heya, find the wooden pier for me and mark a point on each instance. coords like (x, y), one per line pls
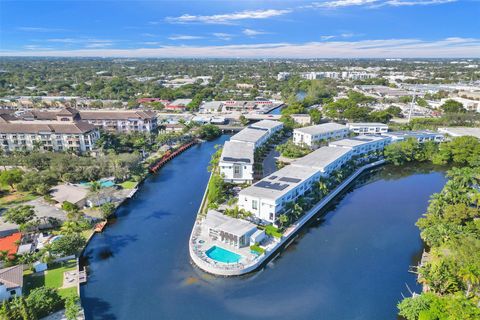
(169, 155)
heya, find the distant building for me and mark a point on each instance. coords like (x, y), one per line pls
(301, 119)
(461, 131)
(236, 162)
(74, 194)
(48, 136)
(281, 76)
(244, 86)
(150, 100)
(211, 107)
(109, 120)
(313, 135)
(11, 282)
(368, 127)
(420, 135)
(258, 133)
(178, 105)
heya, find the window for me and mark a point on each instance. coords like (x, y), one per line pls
(271, 216)
(254, 204)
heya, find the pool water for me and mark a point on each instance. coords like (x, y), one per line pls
(103, 183)
(222, 255)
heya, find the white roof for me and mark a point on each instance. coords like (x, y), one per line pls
(235, 151)
(68, 192)
(356, 141)
(266, 124)
(249, 135)
(212, 104)
(461, 131)
(321, 158)
(180, 102)
(279, 183)
(367, 124)
(407, 134)
(219, 221)
(321, 128)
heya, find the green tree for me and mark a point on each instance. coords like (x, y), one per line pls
(44, 301)
(452, 106)
(69, 244)
(72, 309)
(107, 209)
(11, 177)
(20, 215)
(315, 116)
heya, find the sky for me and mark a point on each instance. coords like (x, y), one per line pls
(241, 29)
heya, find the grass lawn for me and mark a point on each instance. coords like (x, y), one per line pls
(128, 184)
(52, 278)
(8, 197)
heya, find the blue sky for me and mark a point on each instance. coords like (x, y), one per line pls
(323, 28)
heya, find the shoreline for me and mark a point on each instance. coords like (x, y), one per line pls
(285, 240)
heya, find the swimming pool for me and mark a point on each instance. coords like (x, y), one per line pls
(103, 183)
(222, 255)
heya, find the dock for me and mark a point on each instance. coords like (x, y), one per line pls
(169, 156)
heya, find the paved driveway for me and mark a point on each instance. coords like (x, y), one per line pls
(42, 208)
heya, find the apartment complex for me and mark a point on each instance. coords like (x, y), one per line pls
(77, 136)
(267, 198)
(368, 127)
(420, 135)
(111, 120)
(237, 158)
(313, 135)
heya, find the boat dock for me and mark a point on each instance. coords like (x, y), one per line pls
(169, 156)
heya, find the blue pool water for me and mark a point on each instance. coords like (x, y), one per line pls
(103, 183)
(222, 255)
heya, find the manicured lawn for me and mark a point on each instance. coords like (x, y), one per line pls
(8, 197)
(53, 278)
(128, 184)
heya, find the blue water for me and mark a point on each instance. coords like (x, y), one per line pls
(222, 255)
(350, 263)
(103, 183)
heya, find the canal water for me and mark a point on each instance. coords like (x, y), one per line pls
(351, 263)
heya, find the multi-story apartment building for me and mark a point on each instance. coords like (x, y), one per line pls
(236, 162)
(313, 135)
(420, 135)
(362, 144)
(368, 127)
(48, 135)
(267, 198)
(111, 120)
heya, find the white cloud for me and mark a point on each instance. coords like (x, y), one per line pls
(253, 33)
(148, 35)
(151, 43)
(223, 36)
(184, 37)
(342, 3)
(228, 17)
(374, 3)
(399, 48)
(326, 37)
(39, 29)
(398, 3)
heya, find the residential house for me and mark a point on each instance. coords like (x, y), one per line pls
(11, 282)
(236, 162)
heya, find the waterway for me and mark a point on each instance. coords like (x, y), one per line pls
(351, 263)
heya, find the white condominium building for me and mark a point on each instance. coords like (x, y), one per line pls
(312, 135)
(266, 198)
(362, 144)
(48, 135)
(421, 135)
(368, 127)
(258, 133)
(236, 162)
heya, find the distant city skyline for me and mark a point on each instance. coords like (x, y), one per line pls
(243, 29)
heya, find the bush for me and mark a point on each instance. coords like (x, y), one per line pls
(43, 301)
(257, 248)
(273, 231)
(291, 150)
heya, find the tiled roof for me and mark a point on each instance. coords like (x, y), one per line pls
(12, 277)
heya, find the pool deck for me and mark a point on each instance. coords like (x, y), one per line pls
(251, 262)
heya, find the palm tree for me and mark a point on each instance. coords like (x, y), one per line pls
(322, 187)
(95, 186)
(283, 219)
